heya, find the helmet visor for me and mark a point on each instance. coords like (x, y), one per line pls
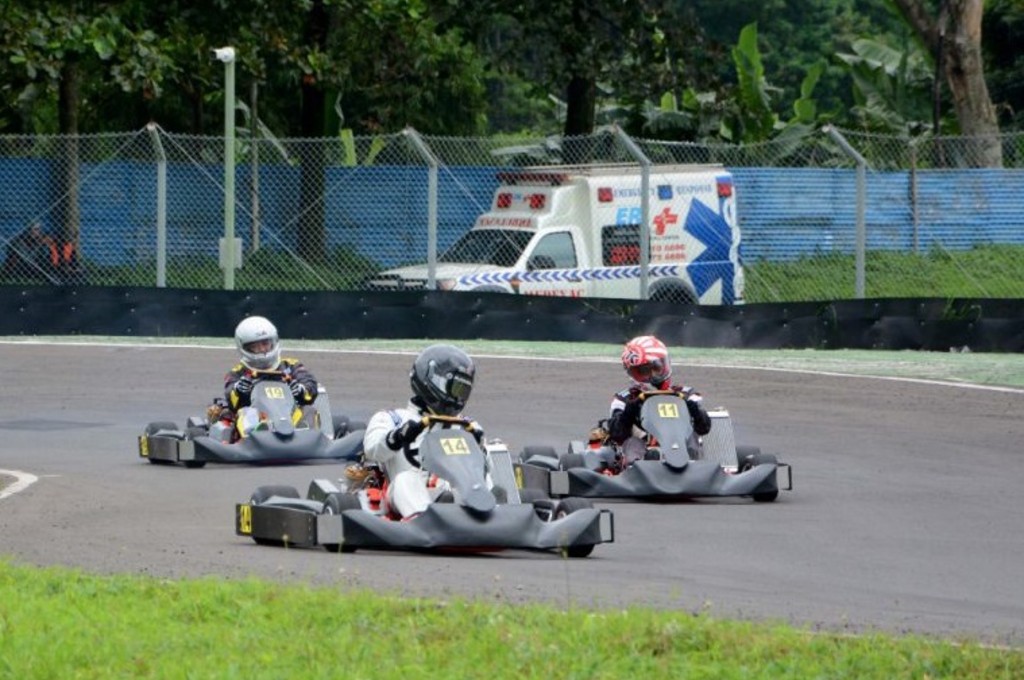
(260, 346)
(653, 370)
(459, 387)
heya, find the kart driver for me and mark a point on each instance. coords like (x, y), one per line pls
(441, 379)
(260, 350)
(645, 359)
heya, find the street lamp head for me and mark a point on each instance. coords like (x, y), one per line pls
(225, 54)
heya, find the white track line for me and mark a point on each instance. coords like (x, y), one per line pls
(23, 481)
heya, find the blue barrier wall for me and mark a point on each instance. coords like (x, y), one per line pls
(381, 211)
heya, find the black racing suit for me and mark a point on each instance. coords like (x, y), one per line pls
(625, 411)
(293, 370)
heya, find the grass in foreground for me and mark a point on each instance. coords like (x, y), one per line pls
(60, 623)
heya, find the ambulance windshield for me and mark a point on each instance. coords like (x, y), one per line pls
(501, 247)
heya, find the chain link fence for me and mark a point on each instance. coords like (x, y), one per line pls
(830, 216)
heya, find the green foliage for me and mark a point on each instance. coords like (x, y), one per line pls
(891, 87)
(469, 68)
(756, 120)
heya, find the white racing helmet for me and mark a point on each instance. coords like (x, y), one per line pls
(251, 337)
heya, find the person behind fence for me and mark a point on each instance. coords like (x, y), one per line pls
(36, 255)
(29, 254)
(646, 362)
(441, 379)
(260, 350)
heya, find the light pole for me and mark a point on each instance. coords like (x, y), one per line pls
(230, 252)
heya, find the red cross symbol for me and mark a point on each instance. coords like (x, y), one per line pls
(663, 219)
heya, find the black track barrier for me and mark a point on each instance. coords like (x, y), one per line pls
(977, 325)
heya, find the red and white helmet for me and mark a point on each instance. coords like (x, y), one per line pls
(645, 359)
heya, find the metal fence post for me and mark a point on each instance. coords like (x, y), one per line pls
(861, 233)
(425, 153)
(645, 205)
(161, 206)
(227, 55)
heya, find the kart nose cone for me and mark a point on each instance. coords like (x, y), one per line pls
(480, 500)
(284, 427)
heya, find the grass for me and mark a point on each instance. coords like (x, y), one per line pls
(61, 623)
(981, 272)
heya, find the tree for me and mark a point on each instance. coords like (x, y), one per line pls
(1003, 28)
(58, 44)
(952, 33)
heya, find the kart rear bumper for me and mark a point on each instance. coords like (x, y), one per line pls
(442, 526)
(654, 479)
(259, 447)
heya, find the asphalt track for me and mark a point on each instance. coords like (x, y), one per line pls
(906, 514)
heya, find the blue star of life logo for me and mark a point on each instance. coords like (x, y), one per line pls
(711, 229)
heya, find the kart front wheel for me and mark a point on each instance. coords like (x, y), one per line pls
(566, 507)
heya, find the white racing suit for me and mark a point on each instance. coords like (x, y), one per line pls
(410, 489)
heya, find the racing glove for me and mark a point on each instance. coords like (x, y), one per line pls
(477, 432)
(404, 435)
(243, 386)
(701, 419)
(298, 391)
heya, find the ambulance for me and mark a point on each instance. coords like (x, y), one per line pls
(574, 231)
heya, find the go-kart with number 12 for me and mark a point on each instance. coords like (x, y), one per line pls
(283, 432)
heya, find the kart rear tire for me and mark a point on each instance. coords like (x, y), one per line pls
(192, 433)
(537, 450)
(755, 459)
(155, 426)
(566, 507)
(543, 505)
(751, 456)
(568, 461)
(531, 495)
(341, 426)
(335, 504)
(261, 494)
(743, 451)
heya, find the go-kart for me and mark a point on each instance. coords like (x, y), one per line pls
(285, 432)
(676, 464)
(474, 517)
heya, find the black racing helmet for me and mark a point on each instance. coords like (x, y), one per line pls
(442, 376)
